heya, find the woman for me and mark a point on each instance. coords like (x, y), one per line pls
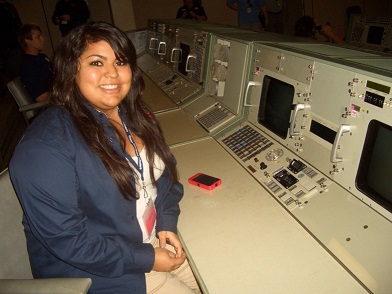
(94, 175)
(191, 9)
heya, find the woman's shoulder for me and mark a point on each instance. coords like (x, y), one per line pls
(53, 125)
(53, 115)
(51, 135)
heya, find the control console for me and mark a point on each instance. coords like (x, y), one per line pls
(285, 176)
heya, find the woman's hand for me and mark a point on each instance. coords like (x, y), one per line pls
(173, 239)
(165, 260)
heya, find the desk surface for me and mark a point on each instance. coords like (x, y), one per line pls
(178, 127)
(240, 240)
(155, 98)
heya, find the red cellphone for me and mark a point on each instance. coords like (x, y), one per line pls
(204, 181)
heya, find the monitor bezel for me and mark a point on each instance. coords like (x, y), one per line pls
(363, 168)
(262, 105)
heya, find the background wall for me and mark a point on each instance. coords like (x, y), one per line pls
(133, 14)
(323, 11)
(40, 12)
(123, 14)
(216, 10)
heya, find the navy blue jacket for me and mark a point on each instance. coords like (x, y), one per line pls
(77, 223)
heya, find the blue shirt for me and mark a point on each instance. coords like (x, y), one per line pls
(77, 223)
(244, 17)
(36, 74)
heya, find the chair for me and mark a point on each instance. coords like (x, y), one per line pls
(27, 106)
(15, 272)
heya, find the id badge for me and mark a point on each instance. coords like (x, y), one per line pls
(248, 10)
(149, 217)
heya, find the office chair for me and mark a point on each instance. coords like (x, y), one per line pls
(15, 272)
(27, 106)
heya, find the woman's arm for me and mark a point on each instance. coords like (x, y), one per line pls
(168, 210)
(167, 203)
(46, 182)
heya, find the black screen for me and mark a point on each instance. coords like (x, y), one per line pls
(322, 131)
(375, 35)
(184, 55)
(276, 103)
(374, 174)
(206, 179)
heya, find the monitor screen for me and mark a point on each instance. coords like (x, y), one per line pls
(276, 103)
(375, 35)
(375, 168)
(183, 57)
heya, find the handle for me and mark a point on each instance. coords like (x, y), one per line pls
(160, 51)
(297, 108)
(33, 106)
(250, 84)
(172, 55)
(151, 43)
(187, 62)
(343, 129)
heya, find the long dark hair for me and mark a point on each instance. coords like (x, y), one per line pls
(141, 122)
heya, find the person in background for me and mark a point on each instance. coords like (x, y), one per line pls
(306, 27)
(249, 13)
(275, 10)
(191, 9)
(69, 14)
(96, 180)
(36, 68)
(10, 52)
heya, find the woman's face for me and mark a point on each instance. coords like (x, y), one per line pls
(103, 80)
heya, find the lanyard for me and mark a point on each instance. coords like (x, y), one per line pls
(139, 165)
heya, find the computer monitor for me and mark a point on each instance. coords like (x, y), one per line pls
(275, 106)
(374, 171)
(370, 32)
(375, 35)
(185, 49)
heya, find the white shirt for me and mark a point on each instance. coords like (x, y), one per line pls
(141, 203)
